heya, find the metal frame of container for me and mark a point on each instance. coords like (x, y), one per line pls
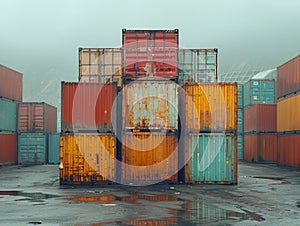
(8, 115)
(8, 148)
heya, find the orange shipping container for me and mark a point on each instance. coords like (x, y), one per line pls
(260, 147)
(87, 158)
(288, 114)
(288, 150)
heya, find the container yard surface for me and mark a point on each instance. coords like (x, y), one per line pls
(265, 195)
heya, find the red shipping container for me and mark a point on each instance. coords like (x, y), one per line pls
(288, 77)
(260, 118)
(37, 117)
(87, 107)
(288, 150)
(10, 84)
(8, 148)
(260, 147)
(150, 53)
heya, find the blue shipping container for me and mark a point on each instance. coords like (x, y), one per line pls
(8, 115)
(53, 148)
(240, 145)
(240, 120)
(240, 98)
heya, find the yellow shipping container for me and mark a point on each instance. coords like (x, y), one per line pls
(209, 106)
(87, 158)
(288, 114)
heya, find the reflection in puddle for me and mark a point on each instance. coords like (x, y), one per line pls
(31, 197)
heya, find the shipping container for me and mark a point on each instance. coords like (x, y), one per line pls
(37, 118)
(148, 53)
(8, 115)
(87, 158)
(149, 158)
(259, 91)
(212, 159)
(53, 148)
(209, 106)
(10, 84)
(32, 148)
(87, 107)
(288, 113)
(260, 147)
(103, 65)
(240, 120)
(151, 104)
(288, 77)
(260, 118)
(8, 148)
(240, 145)
(240, 98)
(197, 65)
(288, 150)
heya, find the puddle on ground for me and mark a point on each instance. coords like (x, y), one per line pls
(26, 196)
(298, 204)
(283, 180)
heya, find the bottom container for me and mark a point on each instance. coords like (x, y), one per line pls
(240, 145)
(53, 148)
(288, 150)
(87, 158)
(212, 159)
(8, 148)
(260, 147)
(32, 148)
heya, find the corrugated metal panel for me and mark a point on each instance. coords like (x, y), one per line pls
(53, 148)
(10, 84)
(87, 158)
(8, 148)
(240, 120)
(288, 150)
(150, 53)
(32, 148)
(240, 145)
(212, 159)
(149, 157)
(102, 65)
(151, 104)
(240, 98)
(37, 117)
(8, 115)
(259, 91)
(288, 77)
(209, 106)
(197, 65)
(288, 114)
(260, 147)
(87, 107)
(260, 118)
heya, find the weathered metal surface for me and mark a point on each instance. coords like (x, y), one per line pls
(8, 115)
(53, 148)
(8, 148)
(288, 150)
(240, 145)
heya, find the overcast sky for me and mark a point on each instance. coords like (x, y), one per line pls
(40, 38)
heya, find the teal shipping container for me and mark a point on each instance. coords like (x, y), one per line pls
(240, 98)
(53, 148)
(240, 145)
(32, 148)
(8, 115)
(212, 159)
(259, 91)
(240, 120)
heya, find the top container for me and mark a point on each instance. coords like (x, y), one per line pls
(149, 53)
(102, 65)
(259, 91)
(197, 65)
(288, 77)
(240, 98)
(10, 84)
(37, 118)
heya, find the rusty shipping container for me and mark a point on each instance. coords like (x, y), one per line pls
(10, 84)
(260, 147)
(87, 107)
(197, 65)
(149, 158)
(103, 65)
(288, 150)
(37, 117)
(209, 107)
(87, 158)
(151, 104)
(288, 77)
(8, 148)
(150, 53)
(260, 118)
(288, 113)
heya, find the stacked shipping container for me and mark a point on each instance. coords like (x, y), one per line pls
(240, 121)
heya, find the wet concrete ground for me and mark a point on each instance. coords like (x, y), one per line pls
(265, 195)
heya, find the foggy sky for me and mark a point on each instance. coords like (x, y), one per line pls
(40, 38)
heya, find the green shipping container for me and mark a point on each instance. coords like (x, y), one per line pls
(240, 96)
(32, 148)
(212, 159)
(240, 120)
(8, 115)
(259, 91)
(53, 148)
(240, 145)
